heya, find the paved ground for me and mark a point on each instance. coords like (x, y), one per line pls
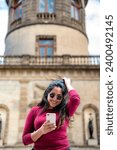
(84, 148)
(28, 148)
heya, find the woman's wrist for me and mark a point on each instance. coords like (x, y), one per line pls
(68, 83)
(41, 130)
(37, 134)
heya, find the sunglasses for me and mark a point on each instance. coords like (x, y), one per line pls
(58, 97)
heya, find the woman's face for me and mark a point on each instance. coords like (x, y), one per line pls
(54, 97)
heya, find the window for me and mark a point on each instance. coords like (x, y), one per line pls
(75, 9)
(16, 7)
(16, 2)
(46, 6)
(18, 12)
(46, 47)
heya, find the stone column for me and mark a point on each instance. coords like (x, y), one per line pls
(22, 107)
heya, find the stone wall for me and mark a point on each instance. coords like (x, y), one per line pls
(68, 41)
(21, 88)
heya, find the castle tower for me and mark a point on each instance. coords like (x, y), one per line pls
(46, 27)
(54, 28)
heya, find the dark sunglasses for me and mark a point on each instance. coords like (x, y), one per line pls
(58, 97)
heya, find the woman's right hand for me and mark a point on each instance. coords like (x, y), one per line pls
(47, 127)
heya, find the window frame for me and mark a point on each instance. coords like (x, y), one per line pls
(38, 46)
(46, 47)
(16, 10)
(16, 3)
(76, 7)
(46, 8)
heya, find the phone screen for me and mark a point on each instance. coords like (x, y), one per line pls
(51, 117)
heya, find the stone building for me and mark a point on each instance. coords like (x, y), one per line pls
(46, 40)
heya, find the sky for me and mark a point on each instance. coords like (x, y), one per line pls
(92, 26)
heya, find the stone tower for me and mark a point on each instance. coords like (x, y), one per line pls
(56, 24)
(47, 39)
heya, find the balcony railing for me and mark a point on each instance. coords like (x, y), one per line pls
(53, 60)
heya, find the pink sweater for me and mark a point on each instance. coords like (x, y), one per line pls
(54, 140)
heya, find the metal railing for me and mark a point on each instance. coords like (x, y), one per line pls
(53, 60)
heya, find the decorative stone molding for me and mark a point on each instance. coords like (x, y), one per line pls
(22, 105)
(5, 110)
(96, 111)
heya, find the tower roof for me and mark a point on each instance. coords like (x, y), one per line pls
(86, 1)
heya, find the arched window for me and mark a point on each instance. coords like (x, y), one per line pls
(16, 7)
(46, 6)
(75, 9)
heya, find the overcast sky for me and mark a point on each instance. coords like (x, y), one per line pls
(92, 25)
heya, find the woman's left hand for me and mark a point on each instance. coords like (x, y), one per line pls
(68, 83)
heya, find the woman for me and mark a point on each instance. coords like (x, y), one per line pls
(44, 134)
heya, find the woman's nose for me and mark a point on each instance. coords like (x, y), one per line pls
(55, 98)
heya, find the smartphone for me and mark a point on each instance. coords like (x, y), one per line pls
(51, 117)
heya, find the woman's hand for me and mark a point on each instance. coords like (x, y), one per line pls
(68, 83)
(47, 127)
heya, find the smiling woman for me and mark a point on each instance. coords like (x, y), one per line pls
(44, 134)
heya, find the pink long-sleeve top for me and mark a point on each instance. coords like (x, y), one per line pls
(56, 139)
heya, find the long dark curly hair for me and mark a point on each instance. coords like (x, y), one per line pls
(61, 108)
